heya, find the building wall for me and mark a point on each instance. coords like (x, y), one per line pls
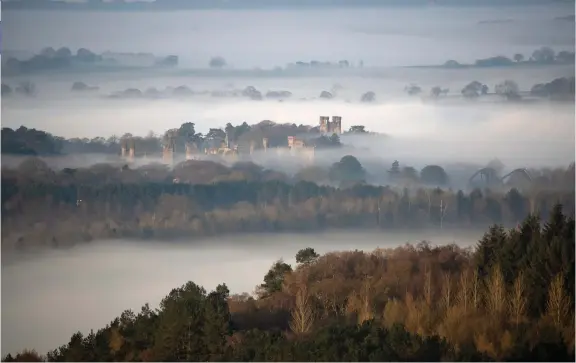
(336, 125)
(324, 124)
(330, 127)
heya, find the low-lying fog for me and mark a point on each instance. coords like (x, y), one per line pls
(383, 36)
(48, 297)
(521, 135)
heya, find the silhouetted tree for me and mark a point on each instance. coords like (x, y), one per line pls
(306, 255)
(434, 175)
(217, 62)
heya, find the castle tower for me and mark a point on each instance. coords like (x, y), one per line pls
(324, 124)
(123, 150)
(168, 155)
(168, 151)
(265, 143)
(251, 147)
(336, 125)
(291, 141)
(132, 151)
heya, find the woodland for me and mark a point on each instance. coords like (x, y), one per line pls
(511, 298)
(46, 208)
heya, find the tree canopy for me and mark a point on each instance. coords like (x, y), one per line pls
(508, 299)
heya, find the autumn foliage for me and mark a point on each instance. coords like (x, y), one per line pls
(509, 299)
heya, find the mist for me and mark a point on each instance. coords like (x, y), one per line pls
(61, 291)
(521, 135)
(527, 135)
(47, 296)
(268, 38)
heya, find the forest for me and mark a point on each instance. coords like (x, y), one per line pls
(50, 206)
(46, 208)
(511, 298)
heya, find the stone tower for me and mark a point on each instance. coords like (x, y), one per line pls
(324, 124)
(336, 125)
(168, 151)
(123, 150)
(131, 150)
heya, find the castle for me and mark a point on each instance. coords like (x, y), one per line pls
(334, 127)
(296, 147)
(128, 149)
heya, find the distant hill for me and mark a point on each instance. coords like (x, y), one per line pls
(166, 5)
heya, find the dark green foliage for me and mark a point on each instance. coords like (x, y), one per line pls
(26, 141)
(433, 175)
(347, 170)
(306, 255)
(541, 251)
(275, 276)
(343, 343)
(190, 325)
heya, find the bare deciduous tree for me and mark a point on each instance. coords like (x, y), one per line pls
(465, 290)
(476, 296)
(558, 304)
(361, 302)
(303, 313)
(446, 290)
(518, 300)
(496, 293)
(428, 285)
(443, 209)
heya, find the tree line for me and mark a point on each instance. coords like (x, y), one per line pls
(540, 56)
(559, 89)
(50, 59)
(25, 141)
(509, 299)
(43, 208)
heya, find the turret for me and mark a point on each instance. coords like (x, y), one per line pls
(336, 125)
(132, 151)
(324, 124)
(168, 152)
(123, 148)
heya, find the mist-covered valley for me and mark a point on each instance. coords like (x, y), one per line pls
(521, 135)
(64, 285)
(376, 45)
(190, 146)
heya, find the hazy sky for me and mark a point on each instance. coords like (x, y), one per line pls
(384, 36)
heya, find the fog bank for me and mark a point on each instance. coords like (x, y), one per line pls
(426, 35)
(526, 135)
